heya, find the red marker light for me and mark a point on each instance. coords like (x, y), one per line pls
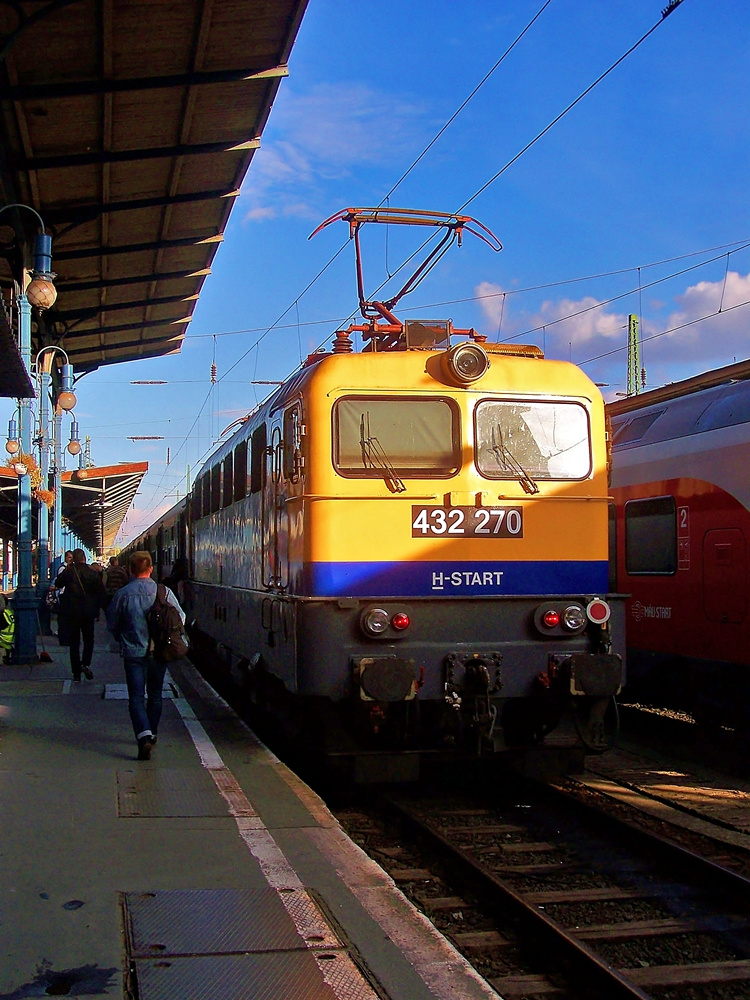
(598, 611)
(400, 621)
(551, 619)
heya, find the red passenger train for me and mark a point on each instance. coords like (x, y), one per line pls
(679, 536)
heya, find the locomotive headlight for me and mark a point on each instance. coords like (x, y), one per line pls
(465, 363)
(375, 621)
(574, 618)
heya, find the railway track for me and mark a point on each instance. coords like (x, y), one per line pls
(550, 897)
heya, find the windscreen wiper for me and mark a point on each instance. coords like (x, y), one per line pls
(375, 457)
(506, 459)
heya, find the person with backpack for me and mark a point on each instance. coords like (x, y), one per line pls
(142, 615)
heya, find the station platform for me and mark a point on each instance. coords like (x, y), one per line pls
(210, 872)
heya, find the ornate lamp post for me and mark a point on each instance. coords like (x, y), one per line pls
(65, 401)
(40, 291)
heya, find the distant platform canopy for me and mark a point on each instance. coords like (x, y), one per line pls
(129, 125)
(94, 501)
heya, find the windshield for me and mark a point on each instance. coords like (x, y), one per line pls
(530, 440)
(383, 437)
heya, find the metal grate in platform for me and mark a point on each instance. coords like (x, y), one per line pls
(291, 976)
(210, 921)
(151, 793)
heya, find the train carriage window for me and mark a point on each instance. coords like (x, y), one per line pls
(633, 430)
(258, 444)
(240, 471)
(413, 438)
(215, 488)
(228, 485)
(651, 537)
(539, 439)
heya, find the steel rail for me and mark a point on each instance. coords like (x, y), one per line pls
(593, 971)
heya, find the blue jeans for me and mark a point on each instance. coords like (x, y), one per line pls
(145, 679)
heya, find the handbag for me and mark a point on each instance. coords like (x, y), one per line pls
(52, 600)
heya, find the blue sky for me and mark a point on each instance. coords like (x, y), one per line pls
(635, 202)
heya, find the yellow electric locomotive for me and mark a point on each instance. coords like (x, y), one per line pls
(405, 547)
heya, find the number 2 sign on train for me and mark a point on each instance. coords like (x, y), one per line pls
(403, 551)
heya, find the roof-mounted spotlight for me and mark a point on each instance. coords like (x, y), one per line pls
(465, 363)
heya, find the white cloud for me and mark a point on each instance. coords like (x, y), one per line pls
(581, 322)
(565, 321)
(693, 338)
(259, 214)
(327, 134)
(700, 335)
(492, 300)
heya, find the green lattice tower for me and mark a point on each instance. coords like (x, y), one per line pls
(634, 356)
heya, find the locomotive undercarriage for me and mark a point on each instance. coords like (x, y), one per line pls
(418, 691)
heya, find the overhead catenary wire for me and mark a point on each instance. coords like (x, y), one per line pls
(602, 76)
(737, 246)
(666, 11)
(672, 329)
(461, 107)
(398, 182)
(614, 298)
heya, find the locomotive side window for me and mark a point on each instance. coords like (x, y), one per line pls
(532, 439)
(196, 500)
(651, 537)
(258, 459)
(240, 471)
(215, 488)
(206, 504)
(228, 487)
(413, 438)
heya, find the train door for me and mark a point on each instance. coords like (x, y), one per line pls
(724, 575)
(294, 476)
(275, 519)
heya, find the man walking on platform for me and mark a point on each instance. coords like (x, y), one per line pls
(128, 622)
(83, 595)
(115, 577)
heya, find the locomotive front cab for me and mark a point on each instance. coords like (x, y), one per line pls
(440, 519)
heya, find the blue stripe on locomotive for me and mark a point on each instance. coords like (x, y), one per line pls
(470, 579)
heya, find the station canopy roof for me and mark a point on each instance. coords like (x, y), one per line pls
(96, 505)
(94, 502)
(129, 125)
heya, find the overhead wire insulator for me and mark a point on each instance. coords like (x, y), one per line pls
(213, 373)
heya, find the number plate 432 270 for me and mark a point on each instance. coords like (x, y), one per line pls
(467, 522)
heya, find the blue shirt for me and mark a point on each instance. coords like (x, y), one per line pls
(126, 615)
